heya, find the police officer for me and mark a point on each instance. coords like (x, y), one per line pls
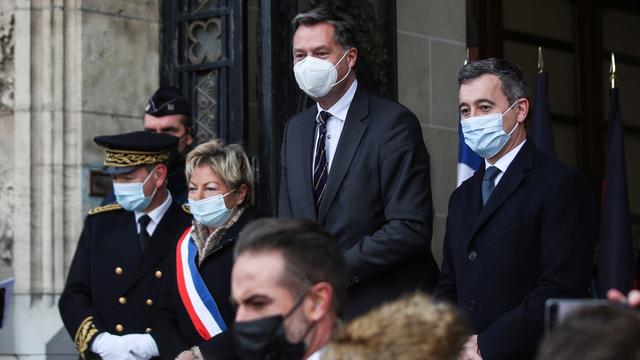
(120, 262)
(168, 112)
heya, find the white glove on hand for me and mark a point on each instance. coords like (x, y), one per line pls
(143, 346)
(112, 347)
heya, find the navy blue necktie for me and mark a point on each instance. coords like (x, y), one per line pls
(320, 162)
(143, 235)
(488, 182)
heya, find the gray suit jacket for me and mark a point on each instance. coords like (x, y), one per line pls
(377, 201)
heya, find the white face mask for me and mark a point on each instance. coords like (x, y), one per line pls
(131, 195)
(484, 134)
(316, 77)
(210, 211)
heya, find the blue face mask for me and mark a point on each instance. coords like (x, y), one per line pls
(131, 195)
(211, 211)
(484, 134)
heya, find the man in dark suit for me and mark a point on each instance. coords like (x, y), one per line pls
(117, 271)
(520, 230)
(357, 164)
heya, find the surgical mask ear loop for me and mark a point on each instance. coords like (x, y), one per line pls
(336, 64)
(516, 126)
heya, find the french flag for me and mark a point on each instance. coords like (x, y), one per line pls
(468, 161)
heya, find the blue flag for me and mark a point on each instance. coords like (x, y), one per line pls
(468, 161)
(615, 256)
(540, 129)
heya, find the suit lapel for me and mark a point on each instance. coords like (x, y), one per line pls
(305, 152)
(163, 239)
(352, 132)
(473, 197)
(507, 186)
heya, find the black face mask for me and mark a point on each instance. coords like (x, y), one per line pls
(265, 339)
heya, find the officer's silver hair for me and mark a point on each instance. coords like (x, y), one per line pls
(230, 162)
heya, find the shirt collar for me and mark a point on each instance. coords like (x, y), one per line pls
(339, 109)
(504, 162)
(157, 213)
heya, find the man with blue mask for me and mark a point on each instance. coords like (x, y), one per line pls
(521, 230)
(118, 268)
(356, 164)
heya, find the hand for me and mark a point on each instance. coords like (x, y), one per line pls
(633, 298)
(471, 351)
(142, 346)
(186, 355)
(112, 347)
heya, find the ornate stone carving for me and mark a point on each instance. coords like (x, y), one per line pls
(6, 62)
(6, 223)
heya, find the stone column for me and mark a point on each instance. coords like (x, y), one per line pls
(70, 70)
(431, 50)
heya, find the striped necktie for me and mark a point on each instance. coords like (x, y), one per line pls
(320, 162)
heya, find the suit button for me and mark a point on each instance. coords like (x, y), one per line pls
(149, 302)
(147, 330)
(472, 306)
(472, 256)
(158, 274)
(119, 328)
(122, 300)
(119, 270)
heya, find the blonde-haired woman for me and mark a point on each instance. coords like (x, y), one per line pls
(195, 304)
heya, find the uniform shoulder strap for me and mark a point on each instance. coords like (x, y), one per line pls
(105, 208)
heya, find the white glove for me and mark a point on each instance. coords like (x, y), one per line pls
(112, 347)
(143, 346)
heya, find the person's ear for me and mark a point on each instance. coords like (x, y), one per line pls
(160, 174)
(522, 108)
(241, 194)
(352, 57)
(319, 301)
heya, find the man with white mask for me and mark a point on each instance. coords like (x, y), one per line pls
(121, 260)
(521, 230)
(356, 164)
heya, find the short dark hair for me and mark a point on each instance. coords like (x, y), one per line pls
(599, 333)
(342, 24)
(514, 83)
(310, 254)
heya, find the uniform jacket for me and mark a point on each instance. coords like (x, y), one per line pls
(174, 331)
(111, 287)
(377, 201)
(533, 240)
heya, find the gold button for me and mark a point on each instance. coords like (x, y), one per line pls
(119, 328)
(149, 302)
(158, 274)
(122, 300)
(119, 270)
(147, 330)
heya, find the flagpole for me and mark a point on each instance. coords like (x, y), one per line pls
(612, 71)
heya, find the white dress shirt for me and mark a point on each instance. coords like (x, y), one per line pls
(155, 215)
(504, 162)
(335, 124)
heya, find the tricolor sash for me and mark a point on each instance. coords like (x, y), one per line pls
(197, 299)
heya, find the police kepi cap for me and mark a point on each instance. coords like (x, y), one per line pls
(125, 153)
(167, 100)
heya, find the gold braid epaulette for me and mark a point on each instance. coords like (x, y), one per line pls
(86, 331)
(101, 209)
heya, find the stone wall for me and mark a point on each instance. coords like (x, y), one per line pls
(431, 49)
(69, 70)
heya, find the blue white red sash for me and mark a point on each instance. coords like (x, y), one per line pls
(197, 299)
